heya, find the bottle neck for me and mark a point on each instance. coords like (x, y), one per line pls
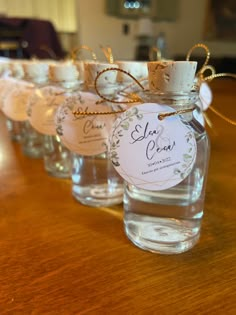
(174, 100)
(104, 90)
(69, 86)
(38, 81)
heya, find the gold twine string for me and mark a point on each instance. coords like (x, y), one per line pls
(220, 75)
(203, 70)
(228, 120)
(134, 99)
(215, 111)
(50, 52)
(108, 54)
(207, 54)
(177, 112)
(76, 50)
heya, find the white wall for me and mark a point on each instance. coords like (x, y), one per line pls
(95, 28)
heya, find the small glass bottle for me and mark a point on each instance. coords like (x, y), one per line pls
(41, 111)
(168, 221)
(12, 72)
(94, 179)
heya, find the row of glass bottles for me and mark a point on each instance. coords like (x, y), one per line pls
(16, 92)
(28, 88)
(166, 221)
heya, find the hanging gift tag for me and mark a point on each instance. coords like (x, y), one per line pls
(150, 153)
(42, 108)
(205, 100)
(6, 85)
(205, 95)
(84, 134)
(17, 100)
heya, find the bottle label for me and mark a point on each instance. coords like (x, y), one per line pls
(16, 101)
(42, 108)
(150, 153)
(84, 134)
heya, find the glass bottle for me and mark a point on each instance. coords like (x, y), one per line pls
(94, 179)
(11, 74)
(168, 221)
(32, 141)
(41, 111)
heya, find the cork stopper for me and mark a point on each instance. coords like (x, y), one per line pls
(106, 82)
(65, 71)
(4, 66)
(138, 69)
(171, 76)
(17, 69)
(36, 71)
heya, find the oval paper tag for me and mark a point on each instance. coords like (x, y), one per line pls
(86, 135)
(149, 153)
(42, 108)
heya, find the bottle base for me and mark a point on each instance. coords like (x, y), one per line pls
(14, 128)
(59, 169)
(98, 195)
(58, 174)
(163, 236)
(35, 154)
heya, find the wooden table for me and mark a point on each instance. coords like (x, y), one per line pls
(59, 257)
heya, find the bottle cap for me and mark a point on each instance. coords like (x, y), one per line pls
(36, 71)
(138, 69)
(17, 69)
(106, 82)
(65, 71)
(171, 76)
(4, 66)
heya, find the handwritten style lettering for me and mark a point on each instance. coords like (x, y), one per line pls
(92, 124)
(138, 134)
(153, 148)
(156, 145)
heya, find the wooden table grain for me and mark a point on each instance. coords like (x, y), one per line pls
(60, 257)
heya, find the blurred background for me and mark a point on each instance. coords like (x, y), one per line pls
(41, 28)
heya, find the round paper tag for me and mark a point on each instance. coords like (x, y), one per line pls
(16, 101)
(149, 153)
(205, 95)
(42, 108)
(84, 134)
(6, 85)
